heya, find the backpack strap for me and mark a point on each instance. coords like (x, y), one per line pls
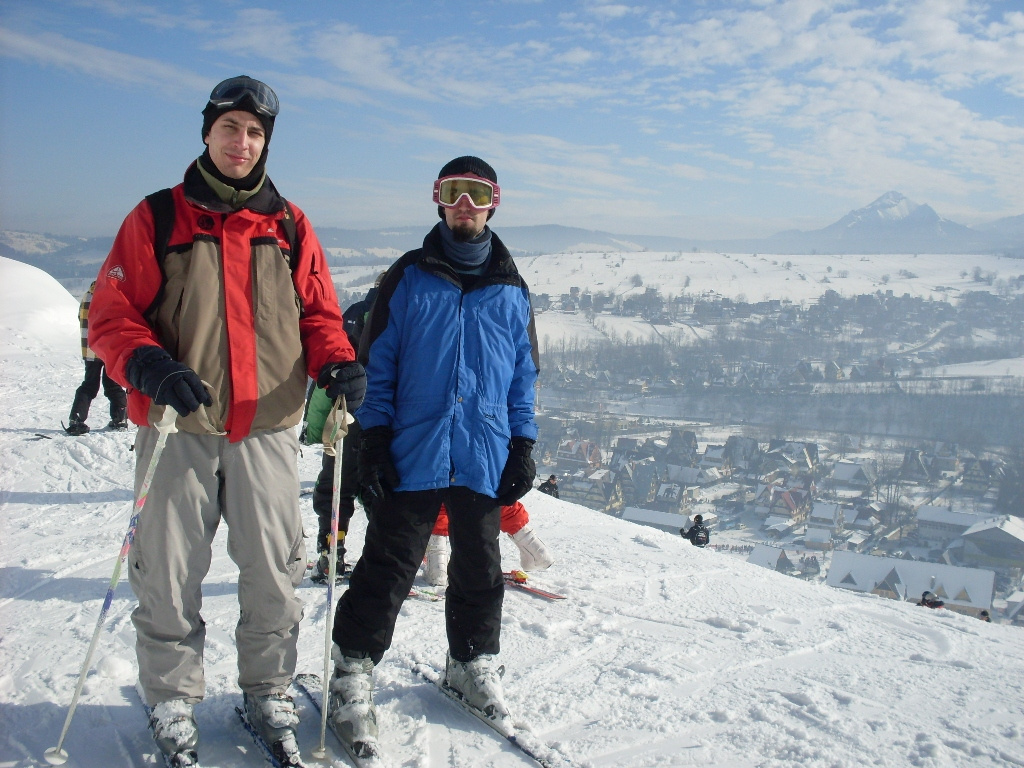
(162, 205)
(288, 222)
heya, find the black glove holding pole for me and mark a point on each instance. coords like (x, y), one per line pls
(153, 372)
(348, 379)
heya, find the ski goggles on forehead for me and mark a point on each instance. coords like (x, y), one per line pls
(482, 193)
(234, 90)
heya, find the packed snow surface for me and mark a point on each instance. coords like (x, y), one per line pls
(662, 655)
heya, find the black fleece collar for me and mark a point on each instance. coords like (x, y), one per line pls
(266, 200)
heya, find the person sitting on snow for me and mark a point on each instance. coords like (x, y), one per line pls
(929, 600)
(698, 535)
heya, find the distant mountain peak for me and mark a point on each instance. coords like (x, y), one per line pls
(890, 207)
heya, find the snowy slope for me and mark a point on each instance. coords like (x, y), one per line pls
(662, 655)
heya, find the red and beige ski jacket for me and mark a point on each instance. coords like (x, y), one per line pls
(226, 301)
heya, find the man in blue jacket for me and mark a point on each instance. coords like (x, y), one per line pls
(451, 355)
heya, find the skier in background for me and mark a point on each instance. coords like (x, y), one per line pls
(90, 386)
(323, 491)
(698, 535)
(549, 486)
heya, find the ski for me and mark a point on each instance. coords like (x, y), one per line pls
(525, 742)
(419, 593)
(278, 761)
(518, 580)
(362, 754)
(186, 759)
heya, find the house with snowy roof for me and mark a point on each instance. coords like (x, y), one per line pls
(965, 590)
(996, 542)
(941, 526)
(854, 474)
(577, 454)
(693, 476)
(865, 517)
(671, 497)
(794, 456)
(772, 558)
(715, 458)
(980, 475)
(655, 518)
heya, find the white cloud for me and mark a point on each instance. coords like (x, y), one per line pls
(49, 49)
(367, 61)
(258, 33)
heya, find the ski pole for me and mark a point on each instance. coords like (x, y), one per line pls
(338, 431)
(57, 755)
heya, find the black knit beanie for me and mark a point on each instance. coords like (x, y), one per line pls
(468, 164)
(212, 112)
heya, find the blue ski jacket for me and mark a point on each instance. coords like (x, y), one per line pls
(451, 364)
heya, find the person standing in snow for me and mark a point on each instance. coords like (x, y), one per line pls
(515, 521)
(90, 386)
(323, 491)
(224, 328)
(549, 486)
(698, 534)
(451, 356)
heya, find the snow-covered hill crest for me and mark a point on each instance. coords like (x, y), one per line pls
(663, 654)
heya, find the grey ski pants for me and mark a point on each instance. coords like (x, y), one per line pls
(253, 485)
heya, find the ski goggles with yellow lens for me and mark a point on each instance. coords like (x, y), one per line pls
(482, 194)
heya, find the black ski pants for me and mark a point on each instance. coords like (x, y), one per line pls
(396, 539)
(323, 491)
(90, 387)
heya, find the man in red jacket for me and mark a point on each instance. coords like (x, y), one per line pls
(223, 323)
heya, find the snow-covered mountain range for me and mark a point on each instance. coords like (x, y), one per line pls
(662, 655)
(890, 224)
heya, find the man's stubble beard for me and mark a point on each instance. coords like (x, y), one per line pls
(463, 233)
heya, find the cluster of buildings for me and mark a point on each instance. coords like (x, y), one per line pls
(895, 532)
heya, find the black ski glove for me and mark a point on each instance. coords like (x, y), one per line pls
(519, 473)
(377, 473)
(348, 379)
(155, 373)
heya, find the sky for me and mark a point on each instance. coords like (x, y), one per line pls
(661, 654)
(694, 119)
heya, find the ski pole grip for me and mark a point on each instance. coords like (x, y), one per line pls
(166, 425)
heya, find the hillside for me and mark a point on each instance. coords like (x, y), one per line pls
(661, 655)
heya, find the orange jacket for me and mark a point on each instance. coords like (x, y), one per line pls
(513, 518)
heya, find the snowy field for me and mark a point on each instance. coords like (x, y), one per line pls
(801, 279)
(752, 277)
(662, 655)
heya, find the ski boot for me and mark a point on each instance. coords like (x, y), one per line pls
(274, 718)
(174, 729)
(478, 684)
(76, 428)
(322, 566)
(533, 554)
(436, 572)
(350, 709)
